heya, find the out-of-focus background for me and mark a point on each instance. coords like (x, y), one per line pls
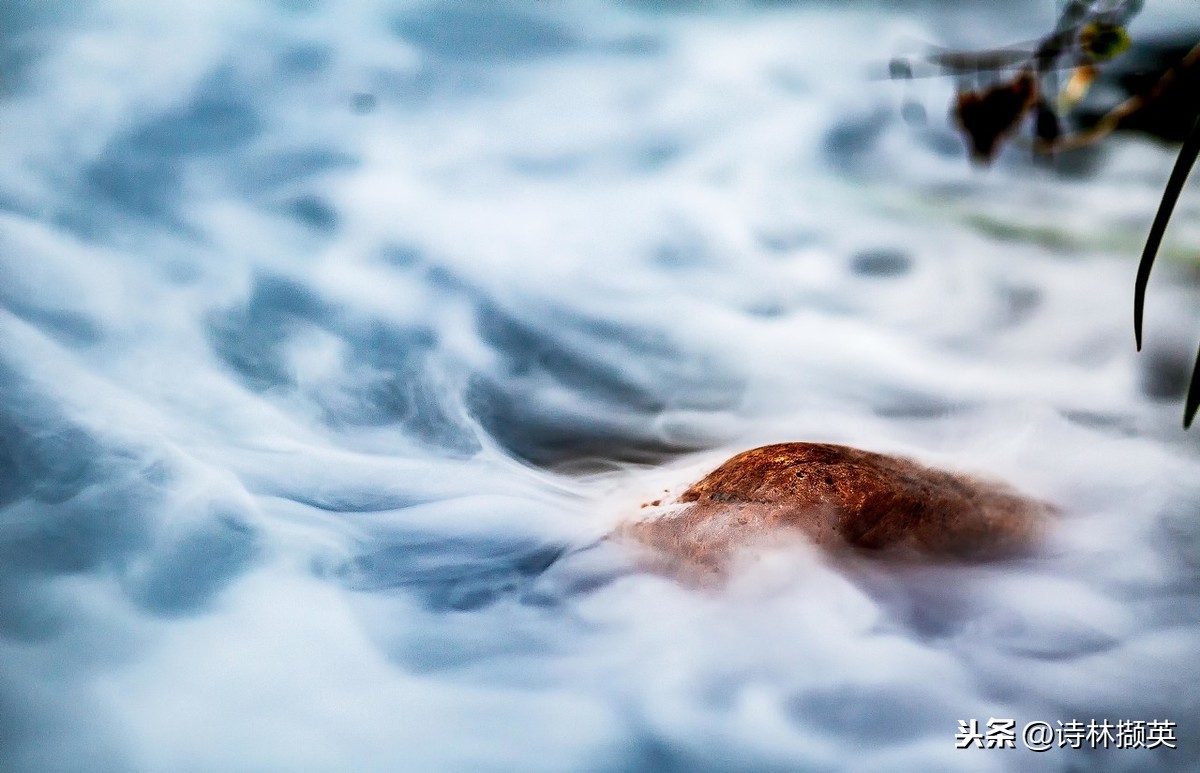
(333, 336)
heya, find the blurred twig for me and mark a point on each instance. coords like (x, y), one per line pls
(1179, 174)
(1112, 119)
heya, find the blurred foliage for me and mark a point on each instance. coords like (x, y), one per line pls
(1001, 89)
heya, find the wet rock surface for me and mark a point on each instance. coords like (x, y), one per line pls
(839, 498)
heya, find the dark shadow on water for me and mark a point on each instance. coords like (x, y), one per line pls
(881, 263)
(388, 372)
(662, 752)
(482, 33)
(563, 385)
(65, 326)
(48, 723)
(1164, 372)
(850, 143)
(869, 715)
(265, 172)
(49, 464)
(451, 572)
(75, 504)
(29, 30)
(314, 212)
(917, 406)
(182, 577)
(305, 59)
(603, 407)
(141, 172)
(250, 338)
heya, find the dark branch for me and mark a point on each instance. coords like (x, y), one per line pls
(1179, 175)
(1193, 396)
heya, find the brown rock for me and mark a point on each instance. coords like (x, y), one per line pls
(839, 497)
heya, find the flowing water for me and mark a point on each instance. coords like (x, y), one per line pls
(335, 336)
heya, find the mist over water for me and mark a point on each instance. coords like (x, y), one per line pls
(335, 336)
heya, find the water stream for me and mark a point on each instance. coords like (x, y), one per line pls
(335, 336)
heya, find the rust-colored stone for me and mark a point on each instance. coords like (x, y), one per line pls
(839, 497)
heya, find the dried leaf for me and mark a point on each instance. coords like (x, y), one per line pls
(988, 117)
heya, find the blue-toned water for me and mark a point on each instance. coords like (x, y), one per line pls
(335, 336)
